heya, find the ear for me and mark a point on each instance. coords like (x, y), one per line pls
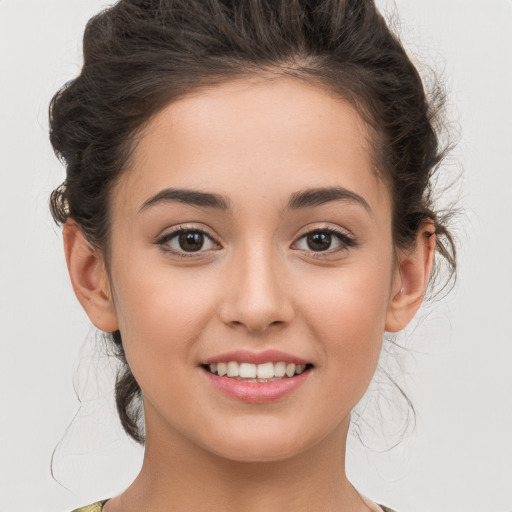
(89, 278)
(411, 279)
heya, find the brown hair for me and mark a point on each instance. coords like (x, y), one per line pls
(140, 55)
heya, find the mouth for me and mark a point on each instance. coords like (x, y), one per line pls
(263, 372)
(257, 377)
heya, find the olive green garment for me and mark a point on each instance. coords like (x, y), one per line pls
(95, 507)
(98, 506)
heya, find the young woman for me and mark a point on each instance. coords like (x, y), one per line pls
(247, 210)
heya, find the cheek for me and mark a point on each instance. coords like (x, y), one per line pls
(347, 312)
(161, 314)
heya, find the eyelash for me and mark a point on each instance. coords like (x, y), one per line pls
(344, 239)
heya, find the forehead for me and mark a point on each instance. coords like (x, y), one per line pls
(253, 137)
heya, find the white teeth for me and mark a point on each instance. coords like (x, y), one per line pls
(232, 369)
(246, 370)
(290, 369)
(280, 369)
(222, 369)
(264, 371)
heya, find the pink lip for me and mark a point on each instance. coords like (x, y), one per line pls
(256, 392)
(246, 356)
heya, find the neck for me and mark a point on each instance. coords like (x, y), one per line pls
(192, 479)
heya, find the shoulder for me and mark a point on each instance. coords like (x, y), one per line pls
(95, 507)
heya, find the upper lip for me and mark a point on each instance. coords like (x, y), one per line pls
(247, 356)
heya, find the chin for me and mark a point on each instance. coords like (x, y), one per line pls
(258, 454)
(260, 447)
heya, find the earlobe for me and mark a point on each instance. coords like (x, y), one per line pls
(411, 279)
(89, 279)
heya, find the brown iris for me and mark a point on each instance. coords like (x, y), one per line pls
(319, 241)
(191, 241)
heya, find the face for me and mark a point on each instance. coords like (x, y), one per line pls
(252, 228)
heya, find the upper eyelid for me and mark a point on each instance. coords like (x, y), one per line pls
(325, 227)
(181, 228)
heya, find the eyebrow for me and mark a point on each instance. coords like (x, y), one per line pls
(191, 197)
(299, 200)
(318, 196)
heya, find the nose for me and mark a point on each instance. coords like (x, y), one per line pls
(255, 294)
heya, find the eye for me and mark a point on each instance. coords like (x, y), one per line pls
(324, 240)
(187, 240)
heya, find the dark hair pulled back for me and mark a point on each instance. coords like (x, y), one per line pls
(140, 55)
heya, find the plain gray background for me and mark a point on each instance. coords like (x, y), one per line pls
(458, 370)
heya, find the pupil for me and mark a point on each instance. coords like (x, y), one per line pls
(191, 241)
(319, 241)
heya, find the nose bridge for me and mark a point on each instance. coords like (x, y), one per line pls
(257, 296)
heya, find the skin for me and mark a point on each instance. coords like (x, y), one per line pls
(255, 285)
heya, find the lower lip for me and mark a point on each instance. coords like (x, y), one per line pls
(256, 392)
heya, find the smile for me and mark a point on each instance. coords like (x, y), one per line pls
(250, 372)
(256, 377)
